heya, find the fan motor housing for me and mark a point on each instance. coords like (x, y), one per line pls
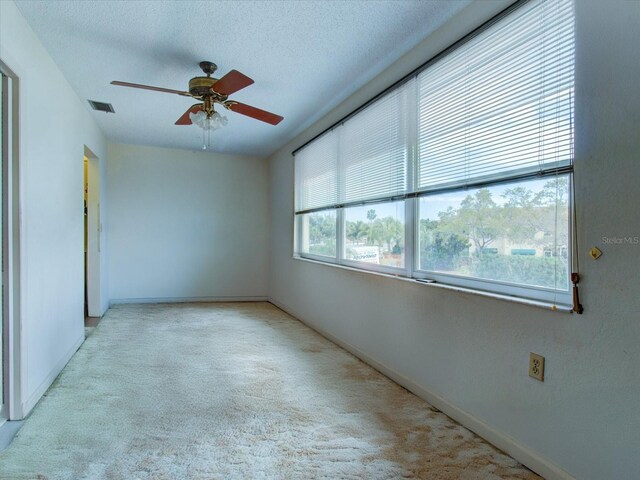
(199, 86)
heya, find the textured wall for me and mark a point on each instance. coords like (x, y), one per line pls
(472, 351)
(186, 225)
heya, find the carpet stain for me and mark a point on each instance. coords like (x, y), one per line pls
(235, 391)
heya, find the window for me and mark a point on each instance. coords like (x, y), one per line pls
(375, 234)
(319, 233)
(513, 234)
(462, 174)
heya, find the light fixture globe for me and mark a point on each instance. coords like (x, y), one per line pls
(213, 121)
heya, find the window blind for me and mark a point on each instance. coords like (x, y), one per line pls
(316, 173)
(373, 151)
(361, 160)
(501, 105)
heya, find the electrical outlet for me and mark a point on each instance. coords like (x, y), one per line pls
(536, 366)
(595, 253)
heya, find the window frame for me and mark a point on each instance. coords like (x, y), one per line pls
(412, 268)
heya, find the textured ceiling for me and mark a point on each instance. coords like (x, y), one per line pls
(305, 57)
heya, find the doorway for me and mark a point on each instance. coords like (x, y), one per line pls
(92, 234)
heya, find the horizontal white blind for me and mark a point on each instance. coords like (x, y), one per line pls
(316, 173)
(500, 105)
(373, 150)
(497, 107)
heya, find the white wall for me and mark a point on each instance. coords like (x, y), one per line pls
(55, 125)
(186, 225)
(468, 354)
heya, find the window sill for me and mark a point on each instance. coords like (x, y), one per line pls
(431, 283)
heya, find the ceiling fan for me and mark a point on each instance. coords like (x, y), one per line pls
(209, 91)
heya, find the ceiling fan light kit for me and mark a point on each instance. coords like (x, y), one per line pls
(208, 123)
(209, 91)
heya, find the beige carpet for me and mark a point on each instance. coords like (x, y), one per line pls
(235, 391)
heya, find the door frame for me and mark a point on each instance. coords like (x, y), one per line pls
(12, 361)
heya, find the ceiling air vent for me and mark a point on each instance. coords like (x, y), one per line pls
(101, 106)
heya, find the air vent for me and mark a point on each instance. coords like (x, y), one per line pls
(101, 106)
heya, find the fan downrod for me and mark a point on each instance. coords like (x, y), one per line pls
(208, 68)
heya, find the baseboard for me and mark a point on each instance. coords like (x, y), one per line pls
(120, 301)
(504, 442)
(53, 374)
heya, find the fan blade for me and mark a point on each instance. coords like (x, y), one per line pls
(147, 87)
(231, 83)
(254, 112)
(184, 119)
